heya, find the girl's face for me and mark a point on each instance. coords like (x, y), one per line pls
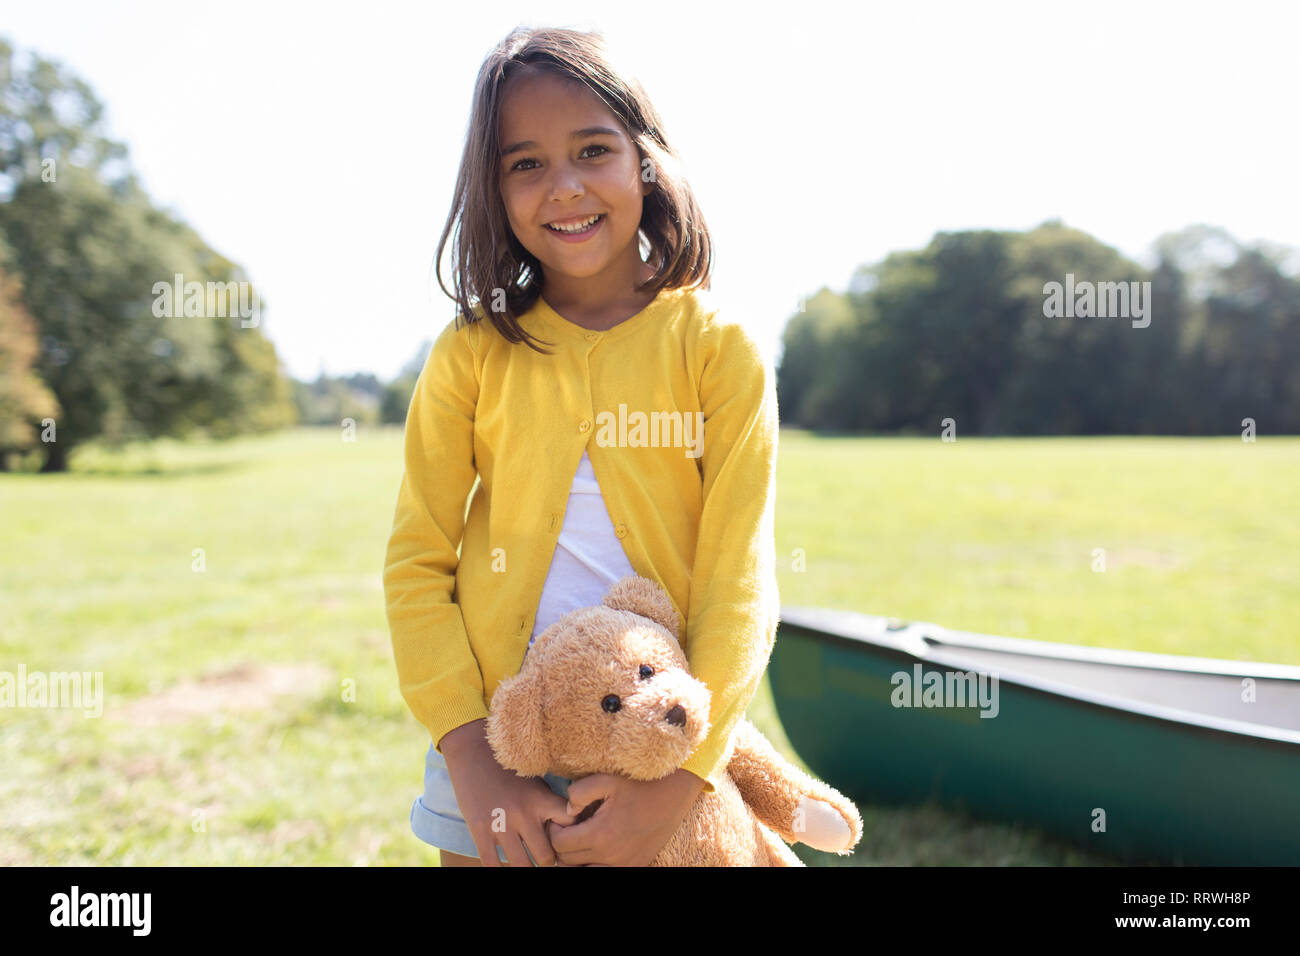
(565, 158)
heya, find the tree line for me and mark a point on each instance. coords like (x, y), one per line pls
(1015, 333)
(361, 397)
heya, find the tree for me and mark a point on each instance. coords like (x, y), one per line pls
(1079, 374)
(24, 399)
(48, 116)
(93, 252)
(1242, 339)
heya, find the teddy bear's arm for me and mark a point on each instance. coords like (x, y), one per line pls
(798, 807)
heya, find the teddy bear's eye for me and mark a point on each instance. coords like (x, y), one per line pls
(647, 672)
(611, 704)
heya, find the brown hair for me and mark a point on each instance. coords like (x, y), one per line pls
(487, 255)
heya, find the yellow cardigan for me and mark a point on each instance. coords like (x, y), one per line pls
(510, 424)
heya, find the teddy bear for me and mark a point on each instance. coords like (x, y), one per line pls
(607, 689)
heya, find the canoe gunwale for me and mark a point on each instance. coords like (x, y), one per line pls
(925, 642)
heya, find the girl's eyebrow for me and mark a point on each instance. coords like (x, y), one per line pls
(576, 134)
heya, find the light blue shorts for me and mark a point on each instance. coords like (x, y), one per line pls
(437, 820)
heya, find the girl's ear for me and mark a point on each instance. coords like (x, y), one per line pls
(514, 725)
(646, 598)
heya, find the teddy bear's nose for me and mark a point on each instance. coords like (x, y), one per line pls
(676, 716)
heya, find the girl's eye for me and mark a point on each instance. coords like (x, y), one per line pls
(604, 149)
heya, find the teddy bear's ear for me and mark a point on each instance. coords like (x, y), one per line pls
(514, 725)
(643, 596)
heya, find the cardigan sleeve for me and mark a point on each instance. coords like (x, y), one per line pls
(734, 603)
(437, 671)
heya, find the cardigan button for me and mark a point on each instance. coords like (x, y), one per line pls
(592, 336)
(583, 425)
(621, 531)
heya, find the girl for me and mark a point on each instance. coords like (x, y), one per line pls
(565, 177)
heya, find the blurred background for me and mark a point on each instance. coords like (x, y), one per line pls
(196, 504)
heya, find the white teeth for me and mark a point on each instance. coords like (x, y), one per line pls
(578, 227)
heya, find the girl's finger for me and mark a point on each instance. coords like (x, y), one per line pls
(569, 839)
(538, 846)
(513, 845)
(485, 845)
(557, 812)
(575, 857)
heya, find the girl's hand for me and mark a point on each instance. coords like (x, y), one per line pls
(500, 807)
(635, 821)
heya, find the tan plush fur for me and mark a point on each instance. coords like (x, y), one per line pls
(553, 717)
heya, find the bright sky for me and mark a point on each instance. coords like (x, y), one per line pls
(318, 145)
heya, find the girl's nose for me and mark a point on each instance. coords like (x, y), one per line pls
(566, 186)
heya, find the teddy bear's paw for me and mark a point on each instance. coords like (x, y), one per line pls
(819, 825)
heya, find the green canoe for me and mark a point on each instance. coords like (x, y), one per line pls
(1142, 756)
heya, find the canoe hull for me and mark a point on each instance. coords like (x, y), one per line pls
(1108, 779)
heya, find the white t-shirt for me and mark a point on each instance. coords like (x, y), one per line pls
(588, 559)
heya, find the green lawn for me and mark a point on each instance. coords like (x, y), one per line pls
(226, 736)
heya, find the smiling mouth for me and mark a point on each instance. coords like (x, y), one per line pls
(579, 228)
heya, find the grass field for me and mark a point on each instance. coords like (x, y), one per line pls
(251, 713)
